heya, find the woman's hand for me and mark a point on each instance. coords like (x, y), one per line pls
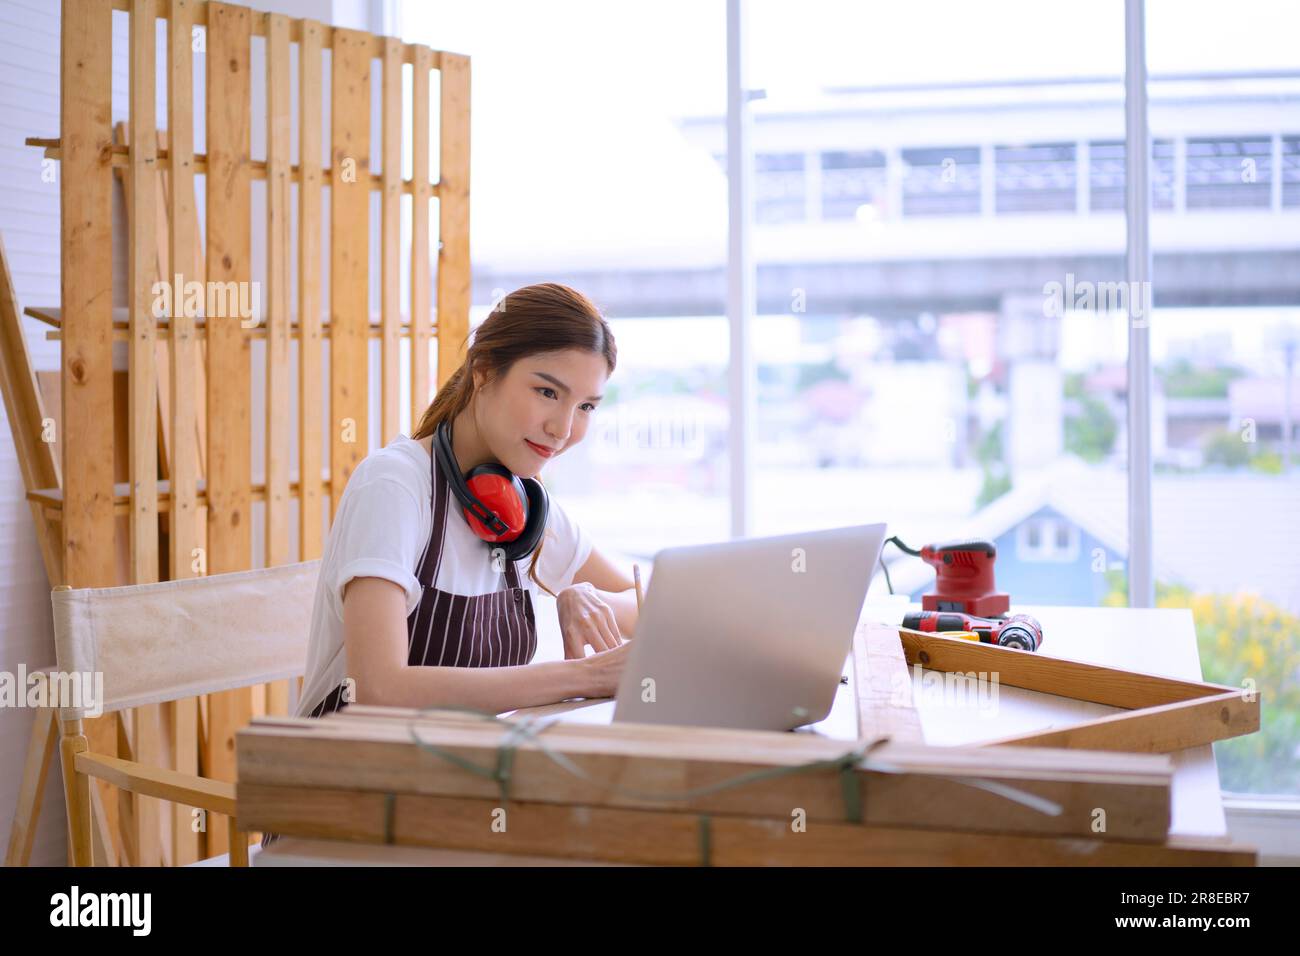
(585, 620)
(603, 671)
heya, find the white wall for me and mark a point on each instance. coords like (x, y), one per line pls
(29, 227)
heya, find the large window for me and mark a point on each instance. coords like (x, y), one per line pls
(1290, 170)
(1107, 177)
(943, 181)
(584, 173)
(852, 179)
(1036, 178)
(942, 331)
(1229, 172)
(1226, 390)
(959, 325)
(779, 187)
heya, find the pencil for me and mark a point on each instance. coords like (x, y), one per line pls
(636, 578)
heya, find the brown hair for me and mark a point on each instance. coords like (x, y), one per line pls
(546, 317)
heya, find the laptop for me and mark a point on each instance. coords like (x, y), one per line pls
(752, 633)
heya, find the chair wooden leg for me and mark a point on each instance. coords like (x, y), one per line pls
(238, 844)
(40, 753)
(76, 794)
(102, 847)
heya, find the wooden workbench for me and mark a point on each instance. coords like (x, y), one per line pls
(1158, 641)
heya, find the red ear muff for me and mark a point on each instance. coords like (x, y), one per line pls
(506, 511)
(499, 489)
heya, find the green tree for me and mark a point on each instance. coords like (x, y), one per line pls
(1091, 435)
(993, 488)
(1225, 447)
(810, 373)
(989, 448)
(1181, 379)
(989, 453)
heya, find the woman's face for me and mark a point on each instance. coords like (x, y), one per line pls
(545, 399)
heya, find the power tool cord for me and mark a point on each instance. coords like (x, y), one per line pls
(901, 547)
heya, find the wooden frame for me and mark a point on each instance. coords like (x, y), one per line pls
(1165, 714)
(207, 493)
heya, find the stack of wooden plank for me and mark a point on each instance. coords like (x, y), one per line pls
(637, 793)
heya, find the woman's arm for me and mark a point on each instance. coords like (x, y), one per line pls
(614, 586)
(603, 573)
(375, 636)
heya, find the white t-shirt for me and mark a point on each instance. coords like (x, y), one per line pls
(380, 529)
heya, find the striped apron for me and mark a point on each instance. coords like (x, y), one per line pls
(497, 629)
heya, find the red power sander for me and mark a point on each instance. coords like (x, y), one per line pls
(963, 578)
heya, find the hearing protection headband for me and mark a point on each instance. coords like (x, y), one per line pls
(538, 500)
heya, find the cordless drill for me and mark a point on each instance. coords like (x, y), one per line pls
(1019, 630)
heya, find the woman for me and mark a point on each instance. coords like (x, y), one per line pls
(414, 607)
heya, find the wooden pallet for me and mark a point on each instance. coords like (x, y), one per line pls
(204, 494)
